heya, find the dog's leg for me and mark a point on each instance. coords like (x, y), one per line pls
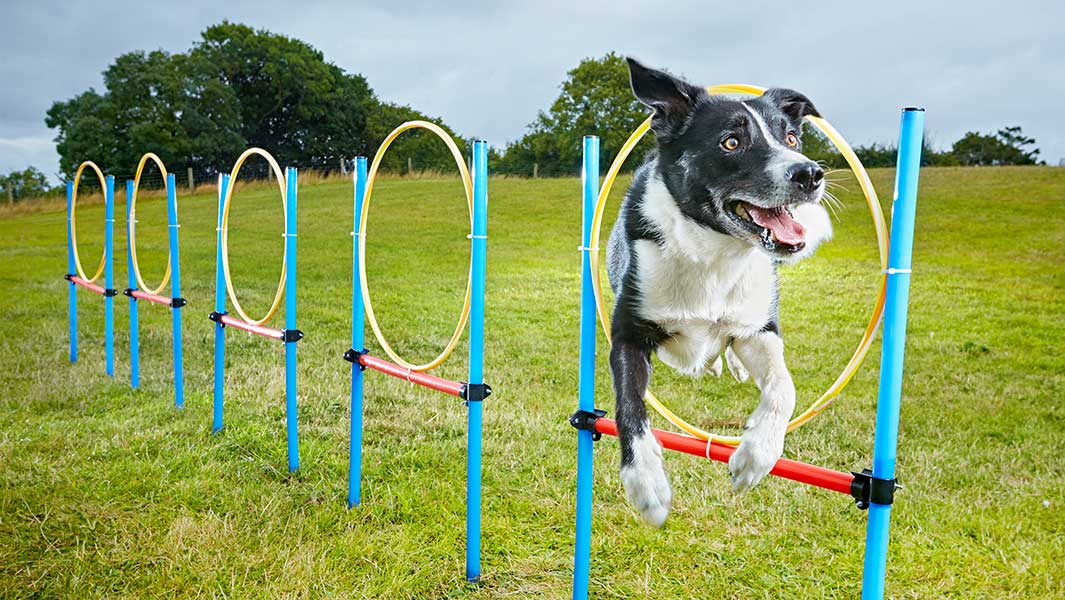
(739, 372)
(763, 437)
(642, 471)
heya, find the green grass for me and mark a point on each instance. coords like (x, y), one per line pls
(109, 492)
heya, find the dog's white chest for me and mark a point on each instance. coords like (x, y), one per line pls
(731, 294)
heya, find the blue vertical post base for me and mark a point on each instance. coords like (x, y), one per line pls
(475, 406)
(109, 276)
(900, 258)
(358, 340)
(292, 428)
(131, 279)
(582, 545)
(72, 293)
(219, 307)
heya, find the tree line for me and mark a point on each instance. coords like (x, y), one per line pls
(239, 87)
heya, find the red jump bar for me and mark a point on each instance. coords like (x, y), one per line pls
(423, 379)
(92, 287)
(151, 297)
(229, 321)
(786, 468)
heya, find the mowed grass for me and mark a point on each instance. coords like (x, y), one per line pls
(110, 492)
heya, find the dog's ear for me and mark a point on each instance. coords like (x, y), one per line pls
(671, 98)
(791, 103)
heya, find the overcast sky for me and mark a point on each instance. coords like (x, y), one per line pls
(486, 68)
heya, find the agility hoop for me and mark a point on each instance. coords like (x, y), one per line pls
(363, 218)
(281, 183)
(133, 225)
(879, 224)
(73, 220)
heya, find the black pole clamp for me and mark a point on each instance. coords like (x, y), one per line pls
(69, 277)
(178, 302)
(475, 392)
(128, 292)
(583, 420)
(291, 335)
(867, 489)
(352, 356)
(217, 317)
(110, 293)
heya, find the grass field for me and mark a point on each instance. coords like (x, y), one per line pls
(109, 492)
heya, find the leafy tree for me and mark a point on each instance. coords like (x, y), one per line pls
(595, 99)
(290, 100)
(1007, 147)
(20, 185)
(237, 87)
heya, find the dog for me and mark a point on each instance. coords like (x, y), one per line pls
(725, 197)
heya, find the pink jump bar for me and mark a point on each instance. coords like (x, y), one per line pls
(423, 379)
(786, 468)
(151, 297)
(229, 321)
(92, 287)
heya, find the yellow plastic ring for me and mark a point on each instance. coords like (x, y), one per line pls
(371, 178)
(133, 225)
(73, 220)
(281, 183)
(882, 243)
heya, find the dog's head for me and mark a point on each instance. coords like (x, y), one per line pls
(737, 166)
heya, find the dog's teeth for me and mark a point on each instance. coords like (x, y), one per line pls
(742, 212)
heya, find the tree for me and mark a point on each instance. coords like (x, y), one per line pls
(595, 99)
(237, 87)
(1007, 147)
(20, 185)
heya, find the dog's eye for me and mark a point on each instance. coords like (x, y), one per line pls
(730, 143)
(792, 139)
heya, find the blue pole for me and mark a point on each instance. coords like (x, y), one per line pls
(175, 289)
(358, 341)
(582, 550)
(290, 320)
(109, 275)
(475, 414)
(903, 210)
(220, 308)
(131, 279)
(72, 293)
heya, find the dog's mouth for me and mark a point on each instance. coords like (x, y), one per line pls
(776, 227)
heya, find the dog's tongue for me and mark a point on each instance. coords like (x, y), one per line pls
(777, 220)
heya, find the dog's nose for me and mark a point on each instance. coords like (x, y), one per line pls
(806, 176)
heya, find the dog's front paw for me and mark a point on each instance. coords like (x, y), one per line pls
(760, 447)
(645, 481)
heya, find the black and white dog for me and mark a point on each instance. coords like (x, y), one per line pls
(692, 260)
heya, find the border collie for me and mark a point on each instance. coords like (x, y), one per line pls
(725, 197)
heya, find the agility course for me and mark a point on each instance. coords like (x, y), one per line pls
(871, 489)
(474, 391)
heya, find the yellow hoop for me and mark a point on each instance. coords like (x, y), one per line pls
(73, 220)
(133, 224)
(281, 182)
(468, 185)
(881, 236)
